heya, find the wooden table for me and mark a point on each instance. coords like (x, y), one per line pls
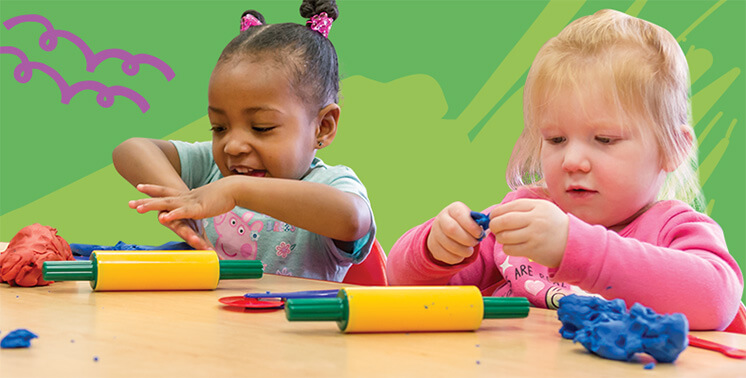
(176, 334)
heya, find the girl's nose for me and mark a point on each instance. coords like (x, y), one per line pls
(576, 160)
(237, 144)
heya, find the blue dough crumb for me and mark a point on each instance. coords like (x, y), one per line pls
(20, 338)
(649, 366)
(95, 358)
(608, 330)
(482, 220)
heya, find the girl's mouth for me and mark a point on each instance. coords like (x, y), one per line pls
(248, 172)
(580, 192)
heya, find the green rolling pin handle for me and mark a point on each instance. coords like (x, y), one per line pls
(241, 269)
(505, 307)
(335, 309)
(68, 271)
(85, 271)
(316, 309)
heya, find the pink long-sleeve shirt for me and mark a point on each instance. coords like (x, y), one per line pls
(670, 258)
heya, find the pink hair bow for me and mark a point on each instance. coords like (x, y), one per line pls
(321, 23)
(248, 21)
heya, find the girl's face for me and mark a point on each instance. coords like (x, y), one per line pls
(259, 126)
(597, 167)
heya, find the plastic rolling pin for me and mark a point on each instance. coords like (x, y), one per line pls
(152, 270)
(406, 309)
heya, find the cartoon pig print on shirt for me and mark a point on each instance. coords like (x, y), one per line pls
(236, 235)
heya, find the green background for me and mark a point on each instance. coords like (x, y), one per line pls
(431, 102)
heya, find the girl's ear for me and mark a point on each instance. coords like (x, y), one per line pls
(685, 139)
(327, 125)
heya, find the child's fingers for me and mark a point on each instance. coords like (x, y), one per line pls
(511, 221)
(187, 232)
(455, 231)
(454, 247)
(465, 229)
(157, 204)
(157, 190)
(513, 237)
(200, 243)
(182, 212)
(519, 205)
(447, 251)
(133, 204)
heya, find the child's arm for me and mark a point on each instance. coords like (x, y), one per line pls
(315, 207)
(149, 161)
(678, 262)
(153, 161)
(673, 260)
(454, 234)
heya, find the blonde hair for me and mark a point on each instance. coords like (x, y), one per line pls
(648, 79)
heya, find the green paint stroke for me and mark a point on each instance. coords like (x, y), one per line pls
(518, 86)
(519, 59)
(704, 100)
(636, 7)
(700, 60)
(709, 127)
(682, 37)
(713, 158)
(548, 23)
(710, 205)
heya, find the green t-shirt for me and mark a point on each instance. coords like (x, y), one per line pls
(282, 248)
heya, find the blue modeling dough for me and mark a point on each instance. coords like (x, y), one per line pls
(482, 220)
(86, 249)
(20, 338)
(608, 330)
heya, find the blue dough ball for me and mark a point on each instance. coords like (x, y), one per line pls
(20, 338)
(607, 329)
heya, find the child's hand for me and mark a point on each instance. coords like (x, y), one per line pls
(191, 231)
(180, 211)
(453, 235)
(203, 202)
(533, 228)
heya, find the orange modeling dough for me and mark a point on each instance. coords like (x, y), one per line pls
(21, 263)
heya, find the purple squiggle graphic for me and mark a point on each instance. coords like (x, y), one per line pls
(105, 97)
(130, 63)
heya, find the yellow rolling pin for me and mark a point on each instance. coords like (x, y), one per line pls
(406, 309)
(152, 270)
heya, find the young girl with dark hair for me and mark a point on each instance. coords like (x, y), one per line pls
(257, 191)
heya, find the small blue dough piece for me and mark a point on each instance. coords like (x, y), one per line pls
(607, 329)
(482, 220)
(20, 338)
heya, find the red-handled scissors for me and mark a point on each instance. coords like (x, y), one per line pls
(270, 300)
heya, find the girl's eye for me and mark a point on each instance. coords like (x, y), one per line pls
(262, 129)
(217, 129)
(604, 140)
(555, 140)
